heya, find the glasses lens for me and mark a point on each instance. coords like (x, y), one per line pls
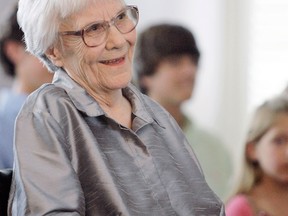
(94, 34)
(127, 20)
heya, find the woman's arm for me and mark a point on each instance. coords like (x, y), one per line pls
(44, 180)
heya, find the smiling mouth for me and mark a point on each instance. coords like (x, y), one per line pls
(116, 61)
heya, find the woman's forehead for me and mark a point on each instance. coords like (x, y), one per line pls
(97, 10)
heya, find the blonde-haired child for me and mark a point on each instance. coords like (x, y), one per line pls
(262, 187)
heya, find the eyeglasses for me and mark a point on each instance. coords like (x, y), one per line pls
(96, 33)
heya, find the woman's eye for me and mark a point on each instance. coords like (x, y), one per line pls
(94, 28)
(121, 16)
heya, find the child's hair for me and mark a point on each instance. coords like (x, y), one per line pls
(249, 173)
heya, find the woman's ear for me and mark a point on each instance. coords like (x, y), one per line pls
(14, 51)
(251, 151)
(54, 55)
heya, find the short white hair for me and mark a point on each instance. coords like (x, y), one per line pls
(40, 21)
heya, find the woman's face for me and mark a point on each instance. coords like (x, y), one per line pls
(103, 68)
(271, 151)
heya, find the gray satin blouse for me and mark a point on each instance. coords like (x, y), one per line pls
(72, 159)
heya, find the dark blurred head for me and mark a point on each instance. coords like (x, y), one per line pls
(12, 32)
(160, 42)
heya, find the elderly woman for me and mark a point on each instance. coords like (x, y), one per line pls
(90, 143)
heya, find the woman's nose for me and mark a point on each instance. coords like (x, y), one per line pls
(115, 39)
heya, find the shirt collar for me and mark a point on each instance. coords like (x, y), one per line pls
(80, 98)
(86, 104)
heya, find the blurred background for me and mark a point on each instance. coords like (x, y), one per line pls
(244, 51)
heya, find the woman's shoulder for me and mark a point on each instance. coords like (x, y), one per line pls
(49, 90)
(45, 98)
(239, 206)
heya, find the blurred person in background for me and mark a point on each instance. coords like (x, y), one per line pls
(28, 74)
(166, 64)
(261, 182)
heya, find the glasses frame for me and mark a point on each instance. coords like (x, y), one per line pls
(108, 24)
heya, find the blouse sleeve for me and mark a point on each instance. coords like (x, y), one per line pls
(238, 206)
(46, 183)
